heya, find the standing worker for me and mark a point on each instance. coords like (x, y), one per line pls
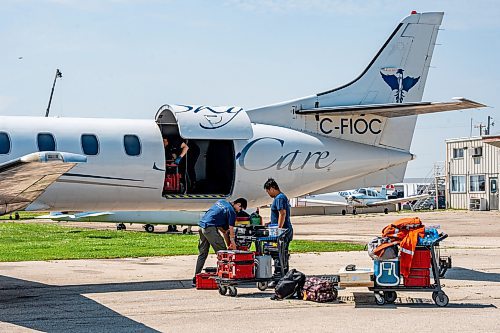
(280, 217)
(221, 216)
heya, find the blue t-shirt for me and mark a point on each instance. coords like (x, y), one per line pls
(221, 214)
(280, 202)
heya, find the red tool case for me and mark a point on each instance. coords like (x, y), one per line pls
(172, 179)
(236, 264)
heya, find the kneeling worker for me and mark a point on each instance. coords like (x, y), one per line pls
(221, 216)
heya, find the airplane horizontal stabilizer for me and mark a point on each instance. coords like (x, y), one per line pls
(393, 110)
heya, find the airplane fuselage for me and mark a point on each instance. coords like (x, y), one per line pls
(114, 180)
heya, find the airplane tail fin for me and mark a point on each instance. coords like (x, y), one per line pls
(396, 75)
(398, 71)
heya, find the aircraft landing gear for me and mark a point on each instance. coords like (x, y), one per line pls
(149, 228)
(16, 216)
(354, 211)
(386, 211)
(187, 231)
(121, 226)
(172, 228)
(343, 212)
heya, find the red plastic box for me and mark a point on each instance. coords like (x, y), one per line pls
(417, 281)
(204, 281)
(418, 277)
(421, 259)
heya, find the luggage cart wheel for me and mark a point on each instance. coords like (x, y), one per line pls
(262, 286)
(379, 299)
(335, 293)
(390, 296)
(232, 291)
(222, 290)
(440, 298)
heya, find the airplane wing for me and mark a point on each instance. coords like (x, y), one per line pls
(24, 179)
(58, 216)
(393, 201)
(325, 202)
(393, 110)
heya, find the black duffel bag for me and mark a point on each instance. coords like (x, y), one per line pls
(289, 285)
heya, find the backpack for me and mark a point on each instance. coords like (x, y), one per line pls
(318, 290)
(288, 285)
(382, 248)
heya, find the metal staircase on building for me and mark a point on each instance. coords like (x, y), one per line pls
(434, 183)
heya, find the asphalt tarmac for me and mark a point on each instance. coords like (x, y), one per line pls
(155, 294)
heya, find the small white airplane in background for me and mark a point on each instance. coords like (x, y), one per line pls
(358, 134)
(148, 218)
(363, 197)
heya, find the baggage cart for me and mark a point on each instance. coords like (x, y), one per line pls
(418, 282)
(229, 286)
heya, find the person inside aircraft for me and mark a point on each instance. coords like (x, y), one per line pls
(220, 217)
(176, 149)
(280, 217)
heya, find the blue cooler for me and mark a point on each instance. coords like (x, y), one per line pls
(386, 272)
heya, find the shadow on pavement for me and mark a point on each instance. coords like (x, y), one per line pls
(460, 273)
(50, 308)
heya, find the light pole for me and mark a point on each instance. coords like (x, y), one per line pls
(58, 74)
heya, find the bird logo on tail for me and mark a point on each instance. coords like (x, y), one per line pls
(398, 82)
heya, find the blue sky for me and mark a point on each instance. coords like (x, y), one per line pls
(125, 58)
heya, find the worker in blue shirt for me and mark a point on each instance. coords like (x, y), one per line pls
(280, 217)
(221, 216)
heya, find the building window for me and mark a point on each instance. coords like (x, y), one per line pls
(458, 153)
(478, 151)
(90, 145)
(458, 184)
(477, 183)
(132, 145)
(4, 143)
(46, 142)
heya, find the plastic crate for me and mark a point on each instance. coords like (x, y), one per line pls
(417, 281)
(204, 281)
(421, 259)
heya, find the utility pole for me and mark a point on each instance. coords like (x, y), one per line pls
(488, 128)
(58, 75)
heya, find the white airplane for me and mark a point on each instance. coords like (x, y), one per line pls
(148, 218)
(363, 197)
(358, 134)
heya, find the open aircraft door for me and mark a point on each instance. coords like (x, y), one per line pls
(209, 166)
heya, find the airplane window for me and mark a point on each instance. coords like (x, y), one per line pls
(90, 145)
(362, 191)
(4, 143)
(46, 142)
(132, 145)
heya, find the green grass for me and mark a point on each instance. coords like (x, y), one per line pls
(39, 241)
(22, 215)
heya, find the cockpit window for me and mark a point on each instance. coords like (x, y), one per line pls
(46, 142)
(132, 145)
